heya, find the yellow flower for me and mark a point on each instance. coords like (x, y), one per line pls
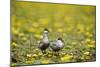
(92, 42)
(86, 53)
(14, 44)
(89, 34)
(45, 62)
(41, 36)
(40, 30)
(87, 28)
(40, 54)
(24, 38)
(13, 18)
(37, 36)
(49, 55)
(13, 65)
(34, 55)
(58, 24)
(91, 45)
(29, 62)
(29, 55)
(87, 57)
(64, 34)
(74, 43)
(38, 41)
(66, 58)
(35, 24)
(32, 29)
(15, 31)
(36, 49)
(88, 40)
(67, 18)
(81, 28)
(60, 30)
(21, 34)
(44, 21)
(62, 54)
(82, 58)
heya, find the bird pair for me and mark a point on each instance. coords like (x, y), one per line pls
(45, 43)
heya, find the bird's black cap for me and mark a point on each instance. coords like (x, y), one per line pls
(45, 29)
(60, 39)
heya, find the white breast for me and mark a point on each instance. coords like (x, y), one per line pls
(45, 39)
(60, 43)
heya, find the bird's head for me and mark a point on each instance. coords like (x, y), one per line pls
(60, 39)
(46, 31)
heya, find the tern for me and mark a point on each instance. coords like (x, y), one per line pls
(57, 45)
(44, 43)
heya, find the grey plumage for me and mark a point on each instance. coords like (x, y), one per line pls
(57, 45)
(44, 43)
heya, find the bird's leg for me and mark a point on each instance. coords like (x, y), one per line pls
(44, 52)
(57, 53)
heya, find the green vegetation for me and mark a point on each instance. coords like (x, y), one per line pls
(74, 23)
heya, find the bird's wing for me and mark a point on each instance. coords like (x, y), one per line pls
(40, 44)
(53, 45)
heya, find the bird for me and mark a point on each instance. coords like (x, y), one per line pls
(44, 43)
(57, 45)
